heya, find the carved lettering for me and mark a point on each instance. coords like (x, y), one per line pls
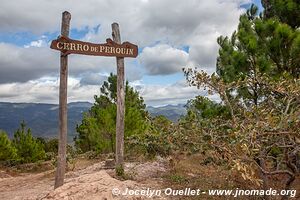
(79, 47)
(130, 51)
(102, 48)
(66, 46)
(72, 46)
(86, 47)
(110, 48)
(113, 50)
(107, 49)
(59, 45)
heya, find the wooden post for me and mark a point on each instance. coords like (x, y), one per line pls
(120, 101)
(62, 144)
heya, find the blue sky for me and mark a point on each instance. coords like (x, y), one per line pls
(171, 34)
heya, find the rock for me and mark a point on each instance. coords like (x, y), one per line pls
(98, 185)
(109, 164)
(3, 174)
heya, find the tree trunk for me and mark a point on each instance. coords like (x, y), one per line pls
(264, 177)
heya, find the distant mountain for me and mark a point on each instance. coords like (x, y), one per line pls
(42, 119)
(172, 112)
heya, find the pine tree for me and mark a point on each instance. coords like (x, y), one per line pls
(28, 148)
(287, 11)
(204, 108)
(259, 45)
(7, 150)
(98, 127)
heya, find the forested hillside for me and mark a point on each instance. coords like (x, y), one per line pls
(41, 118)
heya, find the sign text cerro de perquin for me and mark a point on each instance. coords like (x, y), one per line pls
(110, 48)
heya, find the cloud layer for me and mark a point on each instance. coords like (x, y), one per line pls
(163, 59)
(171, 34)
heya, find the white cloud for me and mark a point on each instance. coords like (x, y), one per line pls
(142, 22)
(18, 64)
(162, 94)
(45, 90)
(31, 91)
(92, 79)
(37, 43)
(163, 59)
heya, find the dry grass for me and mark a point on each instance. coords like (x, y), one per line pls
(190, 172)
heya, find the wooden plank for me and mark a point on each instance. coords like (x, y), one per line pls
(120, 101)
(110, 48)
(62, 144)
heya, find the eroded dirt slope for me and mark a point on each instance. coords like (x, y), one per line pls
(93, 182)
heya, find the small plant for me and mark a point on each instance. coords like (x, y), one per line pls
(120, 170)
(177, 178)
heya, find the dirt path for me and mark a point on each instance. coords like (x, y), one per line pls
(26, 186)
(92, 182)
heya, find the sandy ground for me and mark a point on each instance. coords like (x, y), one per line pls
(92, 182)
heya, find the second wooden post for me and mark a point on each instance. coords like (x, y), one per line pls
(120, 102)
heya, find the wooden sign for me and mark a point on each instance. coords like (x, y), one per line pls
(110, 48)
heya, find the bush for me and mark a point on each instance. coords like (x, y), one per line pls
(51, 145)
(164, 138)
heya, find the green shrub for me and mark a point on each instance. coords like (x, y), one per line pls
(51, 145)
(29, 149)
(7, 150)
